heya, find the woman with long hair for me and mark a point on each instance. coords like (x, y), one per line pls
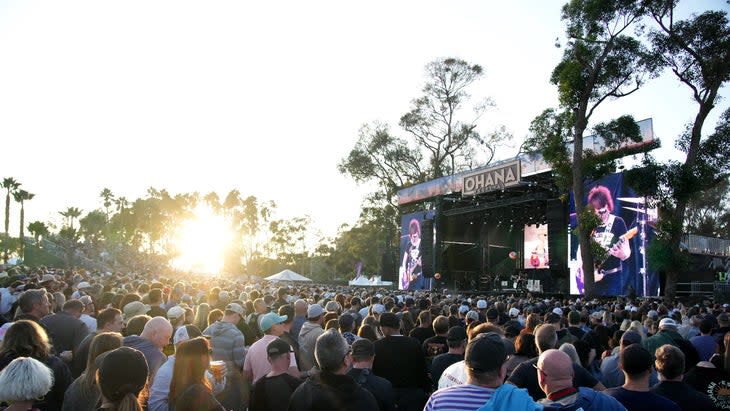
(189, 389)
(525, 349)
(84, 394)
(201, 316)
(26, 338)
(122, 376)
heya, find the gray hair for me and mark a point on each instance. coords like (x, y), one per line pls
(330, 349)
(30, 298)
(569, 349)
(25, 379)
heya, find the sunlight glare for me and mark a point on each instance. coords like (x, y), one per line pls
(202, 242)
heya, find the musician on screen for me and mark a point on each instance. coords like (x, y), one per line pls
(614, 237)
(410, 269)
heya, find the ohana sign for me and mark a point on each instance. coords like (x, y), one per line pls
(490, 179)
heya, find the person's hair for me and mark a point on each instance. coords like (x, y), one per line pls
(128, 298)
(525, 345)
(26, 338)
(669, 361)
(214, 315)
(532, 321)
(569, 349)
(155, 296)
(332, 323)
(329, 350)
(29, 299)
(406, 323)
(441, 325)
(424, 317)
(288, 310)
(25, 379)
(136, 324)
(100, 344)
(546, 337)
(191, 361)
(329, 317)
(483, 329)
(414, 227)
(58, 301)
(705, 326)
(638, 327)
(367, 331)
(201, 316)
(73, 305)
(602, 196)
(143, 288)
(106, 316)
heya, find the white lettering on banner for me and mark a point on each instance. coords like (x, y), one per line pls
(495, 178)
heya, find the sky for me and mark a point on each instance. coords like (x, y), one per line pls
(263, 97)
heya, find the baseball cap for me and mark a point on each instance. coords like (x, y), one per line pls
(463, 309)
(124, 370)
(269, 319)
(630, 337)
(83, 285)
(481, 304)
(456, 333)
(314, 311)
(652, 314)
(472, 315)
(378, 308)
(236, 308)
(135, 308)
(514, 312)
(278, 346)
(185, 333)
(175, 312)
(667, 322)
(485, 352)
(363, 348)
(635, 359)
(558, 311)
(332, 306)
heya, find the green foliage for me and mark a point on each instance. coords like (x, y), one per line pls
(38, 229)
(550, 134)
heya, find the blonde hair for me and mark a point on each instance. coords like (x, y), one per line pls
(100, 344)
(25, 379)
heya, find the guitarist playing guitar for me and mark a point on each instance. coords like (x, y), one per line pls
(614, 237)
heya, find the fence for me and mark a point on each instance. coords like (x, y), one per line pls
(698, 244)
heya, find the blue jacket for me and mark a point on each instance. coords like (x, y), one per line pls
(509, 397)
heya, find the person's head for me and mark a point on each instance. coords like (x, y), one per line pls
(532, 321)
(441, 325)
(635, 362)
(300, 307)
(158, 330)
(35, 303)
(546, 337)
(705, 326)
(525, 345)
(233, 313)
(184, 333)
(109, 319)
(414, 231)
(332, 352)
(25, 379)
(201, 316)
(574, 318)
(135, 308)
(667, 324)
(363, 353)
(155, 296)
(279, 354)
(569, 349)
(214, 315)
(176, 315)
(485, 359)
(456, 339)
(260, 305)
(73, 307)
(192, 358)
(136, 324)
(367, 332)
(315, 313)
(122, 374)
(100, 344)
(389, 324)
(26, 338)
(424, 319)
(272, 324)
(346, 323)
(669, 363)
(554, 371)
(600, 199)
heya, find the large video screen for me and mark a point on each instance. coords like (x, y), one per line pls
(536, 247)
(626, 230)
(410, 271)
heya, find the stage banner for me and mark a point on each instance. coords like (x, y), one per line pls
(410, 272)
(627, 228)
(535, 252)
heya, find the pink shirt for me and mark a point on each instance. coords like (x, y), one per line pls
(257, 360)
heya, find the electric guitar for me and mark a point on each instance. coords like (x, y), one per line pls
(599, 273)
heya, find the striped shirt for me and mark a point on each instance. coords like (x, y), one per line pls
(459, 398)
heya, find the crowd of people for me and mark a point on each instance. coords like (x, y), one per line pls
(76, 340)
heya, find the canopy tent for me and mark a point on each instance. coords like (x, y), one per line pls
(287, 275)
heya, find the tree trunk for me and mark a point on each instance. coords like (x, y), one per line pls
(7, 224)
(584, 238)
(22, 231)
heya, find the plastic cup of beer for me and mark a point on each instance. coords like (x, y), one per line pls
(218, 369)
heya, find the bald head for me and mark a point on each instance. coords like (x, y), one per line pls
(158, 330)
(555, 371)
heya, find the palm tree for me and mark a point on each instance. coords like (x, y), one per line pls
(21, 196)
(38, 229)
(70, 213)
(108, 197)
(10, 185)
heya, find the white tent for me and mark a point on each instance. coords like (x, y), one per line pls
(287, 275)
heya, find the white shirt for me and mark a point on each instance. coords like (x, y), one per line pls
(89, 321)
(455, 374)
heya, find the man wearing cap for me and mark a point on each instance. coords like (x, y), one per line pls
(227, 344)
(456, 341)
(400, 360)
(135, 308)
(273, 390)
(636, 362)
(670, 365)
(363, 354)
(88, 311)
(555, 376)
(311, 330)
(257, 364)
(332, 388)
(668, 335)
(160, 387)
(484, 361)
(154, 337)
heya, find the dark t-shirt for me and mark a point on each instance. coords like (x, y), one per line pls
(711, 381)
(525, 376)
(421, 333)
(641, 400)
(273, 393)
(400, 360)
(434, 346)
(441, 363)
(683, 395)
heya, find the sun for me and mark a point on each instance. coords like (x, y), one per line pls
(202, 242)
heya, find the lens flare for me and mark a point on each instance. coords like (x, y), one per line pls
(202, 242)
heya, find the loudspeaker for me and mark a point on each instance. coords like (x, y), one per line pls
(388, 267)
(427, 248)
